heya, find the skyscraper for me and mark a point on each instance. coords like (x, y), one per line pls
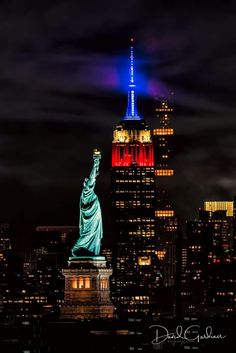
(208, 281)
(213, 206)
(135, 263)
(5, 247)
(234, 229)
(165, 221)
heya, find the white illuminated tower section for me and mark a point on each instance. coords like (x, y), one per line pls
(133, 210)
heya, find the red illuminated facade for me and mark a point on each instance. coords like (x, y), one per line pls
(133, 218)
(135, 265)
(123, 155)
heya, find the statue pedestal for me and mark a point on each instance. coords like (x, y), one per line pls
(87, 289)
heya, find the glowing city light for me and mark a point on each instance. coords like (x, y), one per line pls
(132, 112)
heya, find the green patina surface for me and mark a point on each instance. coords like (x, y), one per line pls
(90, 221)
(97, 258)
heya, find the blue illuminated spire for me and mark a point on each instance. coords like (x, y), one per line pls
(132, 111)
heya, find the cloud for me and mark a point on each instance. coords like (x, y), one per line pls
(204, 160)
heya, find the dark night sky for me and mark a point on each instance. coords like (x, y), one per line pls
(62, 92)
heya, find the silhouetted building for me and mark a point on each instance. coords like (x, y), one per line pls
(165, 215)
(234, 229)
(5, 248)
(208, 282)
(11, 272)
(43, 278)
(56, 241)
(166, 222)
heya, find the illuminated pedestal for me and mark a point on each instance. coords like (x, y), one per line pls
(87, 289)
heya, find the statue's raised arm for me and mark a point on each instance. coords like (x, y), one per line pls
(90, 222)
(95, 170)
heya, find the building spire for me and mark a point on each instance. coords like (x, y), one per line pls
(132, 111)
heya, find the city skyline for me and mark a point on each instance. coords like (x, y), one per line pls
(117, 176)
(61, 97)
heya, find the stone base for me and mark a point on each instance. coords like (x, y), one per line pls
(87, 289)
(86, 312)
(87, 261)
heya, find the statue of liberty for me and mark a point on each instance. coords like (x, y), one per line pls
(90, 221)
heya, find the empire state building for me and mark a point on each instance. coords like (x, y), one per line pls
(136, 275)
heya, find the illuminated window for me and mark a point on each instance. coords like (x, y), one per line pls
(164, 213)
(74, 284)
(104, 283)
(161, 254)
(144, 136)
(81, 283)
(213, 206)
(144, 260)
(164, 108)
(163, 131)
(87, 282)
(121, 136)
(164, 172)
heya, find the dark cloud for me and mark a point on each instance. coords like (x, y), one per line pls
(61, 94)
(204, 160)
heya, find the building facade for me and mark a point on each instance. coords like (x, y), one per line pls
(208, 279)
(136, 274)
(5, 249)
(165, 217)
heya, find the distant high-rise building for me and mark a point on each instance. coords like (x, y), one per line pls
(135, 262)
(5, 237)
(54, 240)
(234, 229)
(165, 217)
(16, 302)
(43, 271)
(225, 208)
(5, 247)
(213, 206)
(208, 280)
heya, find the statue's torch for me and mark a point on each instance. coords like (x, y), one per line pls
(97, 153)
(96, 157)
